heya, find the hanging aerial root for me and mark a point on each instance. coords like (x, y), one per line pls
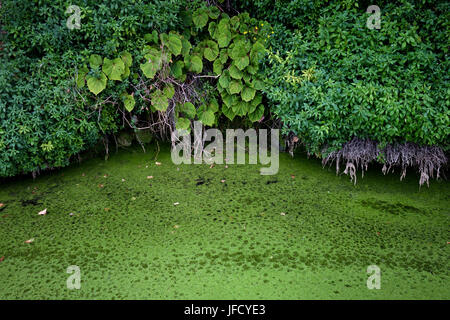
(358, 153)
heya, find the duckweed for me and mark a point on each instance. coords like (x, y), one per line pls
(223, 240)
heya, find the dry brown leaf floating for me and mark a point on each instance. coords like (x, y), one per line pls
(43, 212)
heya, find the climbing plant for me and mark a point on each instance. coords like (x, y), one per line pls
(210, 69)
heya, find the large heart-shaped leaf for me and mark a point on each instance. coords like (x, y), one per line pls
(95, 61)
(126, 58)
(211, 51)
(239, 50)
(257, 50)
(169, 91)
(242, 62)
(213, 12)
(128, 101)
(207, 117)
(174, 44)
(235, 86)
(200, 18)
(196, 64)
(224, 80)
(240, 108)
(213, 105)
(149, 69)
(228, 112)
(235, 72)
(227, 99)
(257, 114)
(252, 69)
(113, 68)
(223, 38)
(159, 100)
(188, 110)
(96, 85)
(248, 94)
(153, 62)
(177, 69)
(183, 124)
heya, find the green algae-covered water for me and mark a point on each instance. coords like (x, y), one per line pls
(304, 233)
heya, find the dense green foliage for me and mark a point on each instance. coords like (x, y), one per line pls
(43, 120)
(213, 48)
(330, 78)
(164, 63)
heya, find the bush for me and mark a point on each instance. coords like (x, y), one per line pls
(43, 119)
(331, 79)
(209, 70)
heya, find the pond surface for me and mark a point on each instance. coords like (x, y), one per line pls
(138, 230)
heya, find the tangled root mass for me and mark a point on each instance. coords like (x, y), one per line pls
(358, 153)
